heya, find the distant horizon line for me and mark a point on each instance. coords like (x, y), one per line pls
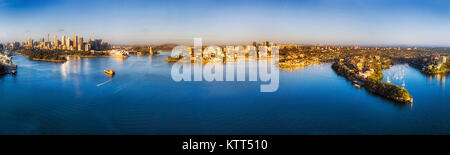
(303, 44)
(250, 43)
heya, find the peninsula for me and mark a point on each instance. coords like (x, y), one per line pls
(363, 66)
(366, 71)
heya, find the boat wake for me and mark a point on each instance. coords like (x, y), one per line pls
(104, 83)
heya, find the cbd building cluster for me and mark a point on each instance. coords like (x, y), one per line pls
(66, 43)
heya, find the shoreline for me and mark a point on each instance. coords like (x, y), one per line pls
(62, 61)
(48, 60)
(101, 56)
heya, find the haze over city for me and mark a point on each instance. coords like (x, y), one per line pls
(334, 22)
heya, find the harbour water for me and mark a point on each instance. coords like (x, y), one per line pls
(76, 97)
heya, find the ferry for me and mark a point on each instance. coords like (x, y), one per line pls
(110, 72)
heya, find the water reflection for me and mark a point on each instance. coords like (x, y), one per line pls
(72, 65)
(120, 59)
(86, 65)
(439, 77)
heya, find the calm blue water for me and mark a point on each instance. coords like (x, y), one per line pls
(78, 98)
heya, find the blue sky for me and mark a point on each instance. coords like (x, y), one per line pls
(337, 22)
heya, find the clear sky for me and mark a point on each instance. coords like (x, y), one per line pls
(343, 22)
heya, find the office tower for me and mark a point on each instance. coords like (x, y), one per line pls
(30, 43)
(63, 40)
(67, 43)
(80, 44)
(87, 47)
(75, 42)
(56, 43)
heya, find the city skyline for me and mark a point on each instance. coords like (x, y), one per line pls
(329, 22)
(66, 43)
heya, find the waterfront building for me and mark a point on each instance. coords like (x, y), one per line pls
(75, 42)
(80, 44)
(87, 47)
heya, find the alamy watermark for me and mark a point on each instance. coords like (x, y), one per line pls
(207, 64)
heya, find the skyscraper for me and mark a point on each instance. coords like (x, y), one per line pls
(80, 44)
(30, 43)
(75, 42)
(87, 47)
(67, 43)
(63, 41)
(55, 40)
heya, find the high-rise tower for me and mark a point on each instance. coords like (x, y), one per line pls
(80, 44)
(63, 41)
(75, 42)
(55, 41)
